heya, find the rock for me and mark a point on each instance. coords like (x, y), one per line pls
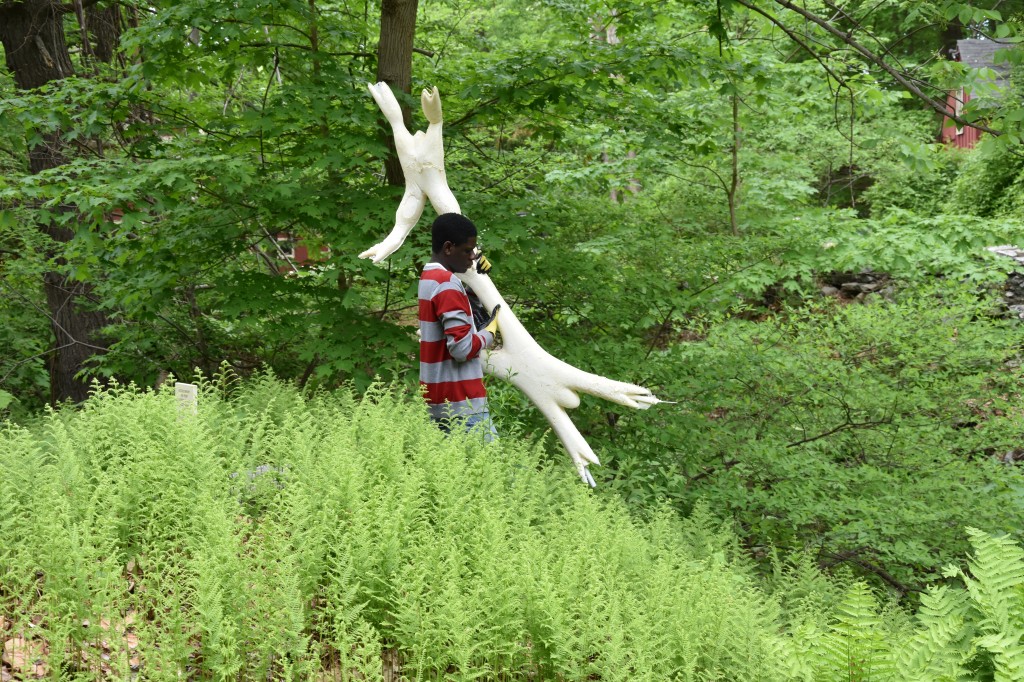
(838, 279)
(855, 288)
(1009, 251)
(829, 290)
(1013, 289)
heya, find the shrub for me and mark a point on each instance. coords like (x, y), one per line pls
(840, 427)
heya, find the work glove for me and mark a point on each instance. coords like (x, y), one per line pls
(490, 323)
(483, 266)
(492, 326)
(480, 316)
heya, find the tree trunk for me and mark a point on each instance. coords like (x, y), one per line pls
(75, 331)
(734, 183)
(104, 25)
(952, 32)
(33, 38)
(604, 30)
(394, 66)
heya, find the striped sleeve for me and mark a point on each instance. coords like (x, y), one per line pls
(452, 307)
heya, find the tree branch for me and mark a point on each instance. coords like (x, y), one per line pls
(859, 25)
(848, 424)
(65, 9)
(307, 48)
(794, 37)
(851, 557)
(878, 61)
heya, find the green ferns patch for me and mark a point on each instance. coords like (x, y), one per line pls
(276, 535)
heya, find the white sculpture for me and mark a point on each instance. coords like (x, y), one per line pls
(551, 384)
(422, 159)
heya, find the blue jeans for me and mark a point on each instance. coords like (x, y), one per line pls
(480, 421)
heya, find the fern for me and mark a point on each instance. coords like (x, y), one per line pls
(997, 568)
(372, 541)
(941, 647)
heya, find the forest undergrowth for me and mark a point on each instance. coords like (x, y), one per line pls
(321, 536)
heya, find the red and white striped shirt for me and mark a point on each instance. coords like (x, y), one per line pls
(451, 373)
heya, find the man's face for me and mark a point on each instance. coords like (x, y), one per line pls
(460, 257)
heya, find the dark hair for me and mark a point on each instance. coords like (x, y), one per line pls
(451, 227)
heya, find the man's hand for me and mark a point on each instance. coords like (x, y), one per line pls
(491, 324)
(483, 266)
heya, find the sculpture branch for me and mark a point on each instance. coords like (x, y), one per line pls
(551, 384)
(422, 159)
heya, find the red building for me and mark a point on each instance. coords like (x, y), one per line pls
(978, 54)
(294, 253)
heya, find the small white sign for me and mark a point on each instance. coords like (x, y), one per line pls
(188, 398)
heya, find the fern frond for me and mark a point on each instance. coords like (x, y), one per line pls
(941, 647)
(997, 590)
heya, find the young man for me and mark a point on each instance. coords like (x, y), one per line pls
(451, 374)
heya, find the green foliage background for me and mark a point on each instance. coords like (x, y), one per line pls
(854, 434)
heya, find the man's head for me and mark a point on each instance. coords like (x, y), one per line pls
(453, 239)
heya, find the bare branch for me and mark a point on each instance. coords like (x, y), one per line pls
(308, 48)
(850, 556)
(795, 38)
(878, 61)
(66, 9)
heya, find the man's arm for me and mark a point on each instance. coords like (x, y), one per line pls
(464, 342)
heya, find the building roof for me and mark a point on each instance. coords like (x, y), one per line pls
(979, 53)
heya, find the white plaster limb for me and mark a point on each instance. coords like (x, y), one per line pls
(553, 385)
(422, 159)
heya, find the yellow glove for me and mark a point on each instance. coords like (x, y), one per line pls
(483, 266)
(492, 326)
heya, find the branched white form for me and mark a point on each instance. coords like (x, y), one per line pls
(422, 159)
(553, 385)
